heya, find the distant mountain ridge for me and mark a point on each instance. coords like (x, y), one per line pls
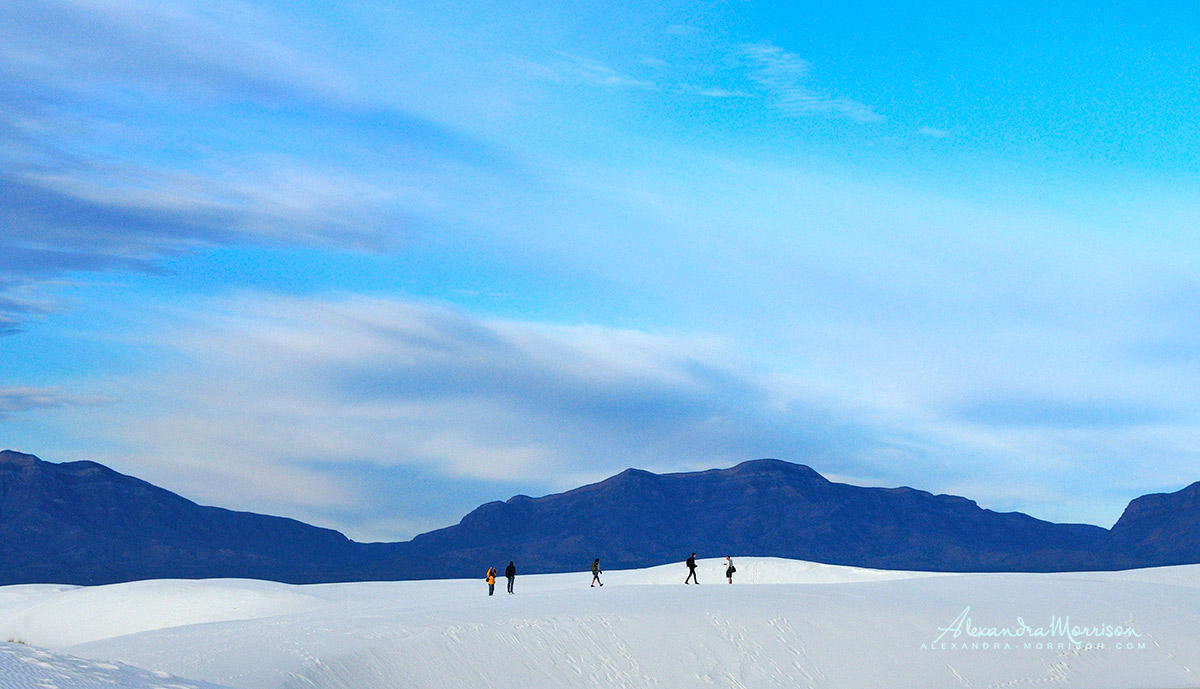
(81, 522)
(762, 507)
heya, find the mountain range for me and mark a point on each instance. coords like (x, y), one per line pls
(83, 523)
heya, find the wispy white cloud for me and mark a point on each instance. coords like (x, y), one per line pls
(571, 69)
(785, 77)
(128, 217)
(225, 48)
(14, 400)
(18, 301)
(712, 91)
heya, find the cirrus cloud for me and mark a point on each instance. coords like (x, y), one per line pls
(785, 77)
(14, 400)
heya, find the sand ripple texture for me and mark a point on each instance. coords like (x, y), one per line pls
(26, 667)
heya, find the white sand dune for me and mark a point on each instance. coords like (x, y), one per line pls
(783, 624)
(25, 667)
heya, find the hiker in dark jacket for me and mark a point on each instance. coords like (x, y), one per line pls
(691, 564)
(510, 573)
(596, 572)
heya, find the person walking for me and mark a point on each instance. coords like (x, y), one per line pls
(691, 565)
(510, 573)
(729, 568)
(491, 580)
(596, 572)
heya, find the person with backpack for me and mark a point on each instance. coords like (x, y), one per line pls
(491, 580)
(691, 565)
(596, 572)
(510, 573)
(729, 568)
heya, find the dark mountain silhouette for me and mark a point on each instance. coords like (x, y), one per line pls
(1158, 529)
(763, 508)
(81, 522)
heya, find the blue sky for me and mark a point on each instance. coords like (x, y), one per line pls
(371, 265)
